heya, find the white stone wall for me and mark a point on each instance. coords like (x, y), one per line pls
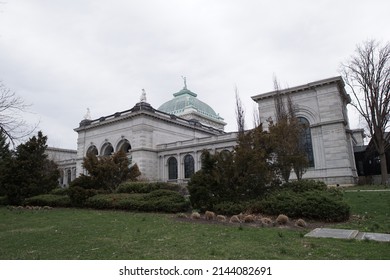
(323, 104)
(145, 131)
(66, 162)
(193, 147)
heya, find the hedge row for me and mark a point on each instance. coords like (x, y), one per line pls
(155, 201)
(146, 187)
(297, 199)
(52, 200)
(3, 200)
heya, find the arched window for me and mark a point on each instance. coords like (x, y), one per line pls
(107, 150)
(69, 175)
(92, 150)
(306, 142)
(172, 168)
(124, 146)
(189, 166)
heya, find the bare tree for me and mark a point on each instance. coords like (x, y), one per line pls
(286, 134)
(367, 73)
(240, 113)
(12, 124)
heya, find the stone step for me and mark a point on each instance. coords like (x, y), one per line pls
(333, 233)
(382, 237)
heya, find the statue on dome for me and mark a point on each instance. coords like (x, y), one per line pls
(143, 96)
(87, 115)
(185, 82)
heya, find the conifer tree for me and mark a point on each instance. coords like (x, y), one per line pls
(108, 172)
(5, 157)
(29, 171)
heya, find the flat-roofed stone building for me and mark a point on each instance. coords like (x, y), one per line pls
(167, 143)
(322, 105)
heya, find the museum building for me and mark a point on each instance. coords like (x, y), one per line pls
(167, 143)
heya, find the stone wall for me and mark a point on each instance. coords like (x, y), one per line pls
(323, 104)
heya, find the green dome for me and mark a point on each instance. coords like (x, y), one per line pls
(185, 100)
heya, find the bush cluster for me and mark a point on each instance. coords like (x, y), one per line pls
(325, 205)
(231, 208)
(3, 200)
(136, 187)
(146, 187)
(79, 195)
(155, 201)
(304, 185)
(60, 191)
(52, 200)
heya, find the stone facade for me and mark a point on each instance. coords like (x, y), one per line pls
(66, 161)
(167, 144)
(150, 137)
(324, 105)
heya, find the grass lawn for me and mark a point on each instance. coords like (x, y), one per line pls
(91, 234)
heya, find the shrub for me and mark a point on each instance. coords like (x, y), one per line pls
(182, 216)
(85, 182)
(147, 187)
(221, 218)
(266, 221)
(249, 219)
(234, 219)
(301, 223)
(106, 201)
(209, 215)
(79, 195)
(159, 200)
(166, 201)
(171, 187)
(282, 219)
(312, 204)
(195, 216)
(202, 198)
(230, 208)
(304, 185)
(136, 187)
(3, 200)
(48, 200)
(60, 191)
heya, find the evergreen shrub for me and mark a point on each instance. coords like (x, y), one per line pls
(230, 208)
(147, 187)
(155, 201)
(136, 187)
(325, 205)
(48, 200)
(79, 195)
(3, 200)
(85, 182)
(304, 185)
(60, 191)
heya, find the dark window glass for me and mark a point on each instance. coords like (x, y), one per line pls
(172, 168)
(189, 166)
(306, 142)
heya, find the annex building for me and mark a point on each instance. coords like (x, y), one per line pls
(167, 142)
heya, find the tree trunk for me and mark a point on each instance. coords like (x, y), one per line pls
(382, 158)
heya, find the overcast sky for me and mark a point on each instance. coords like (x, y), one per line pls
(65, 56)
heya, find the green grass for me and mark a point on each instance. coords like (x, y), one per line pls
(366, 187)
(370, 211)
(91, 234)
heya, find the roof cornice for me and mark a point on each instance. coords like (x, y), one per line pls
(334, 80)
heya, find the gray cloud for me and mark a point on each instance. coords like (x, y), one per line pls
(65, 56)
